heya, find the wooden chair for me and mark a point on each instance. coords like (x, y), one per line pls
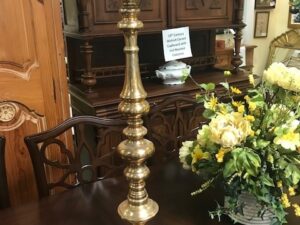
(91, 159)
(4, 194)
(170, 122)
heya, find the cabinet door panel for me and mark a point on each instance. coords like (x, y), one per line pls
(33, 93)
(106, 15)
(201, 13)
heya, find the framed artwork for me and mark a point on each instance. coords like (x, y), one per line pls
(261, 24)
(294, 20)
(265, 4)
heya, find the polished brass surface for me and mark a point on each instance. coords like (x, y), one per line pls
(138, 208)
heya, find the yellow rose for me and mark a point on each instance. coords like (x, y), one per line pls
(229, 130)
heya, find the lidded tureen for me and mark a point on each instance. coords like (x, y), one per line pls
(173, 72)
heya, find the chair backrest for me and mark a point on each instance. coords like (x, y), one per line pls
(4, 194)
(91, 158)
(172, 121)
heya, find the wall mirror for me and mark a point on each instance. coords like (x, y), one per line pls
(286, 49)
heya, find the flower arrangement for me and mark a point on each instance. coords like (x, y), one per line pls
(252, 145)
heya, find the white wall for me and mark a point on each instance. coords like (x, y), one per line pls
(277, 25)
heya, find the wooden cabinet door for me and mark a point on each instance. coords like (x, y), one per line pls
(201, 13)
(103, 16)
(33, 93)
(106, 15)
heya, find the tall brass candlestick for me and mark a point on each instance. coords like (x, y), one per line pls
(138, 208)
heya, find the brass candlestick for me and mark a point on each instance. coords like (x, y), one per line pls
(138, 208)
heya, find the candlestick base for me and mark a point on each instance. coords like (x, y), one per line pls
(140, 214)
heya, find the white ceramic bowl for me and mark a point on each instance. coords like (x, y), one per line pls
(173, 72)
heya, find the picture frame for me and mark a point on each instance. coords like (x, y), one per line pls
(265, 4)
(261, 25)
(294, 20)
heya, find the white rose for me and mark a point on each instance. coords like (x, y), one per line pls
(230, 129)
(230, 137)
(184, 151)
(290, 140)
(285, 77)
(294, 125)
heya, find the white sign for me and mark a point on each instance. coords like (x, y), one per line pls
(176, 43)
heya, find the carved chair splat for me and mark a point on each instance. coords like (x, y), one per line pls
(90, 159)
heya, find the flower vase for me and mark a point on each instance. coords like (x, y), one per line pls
(251, 211)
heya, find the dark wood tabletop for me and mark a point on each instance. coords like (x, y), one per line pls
(96, 203)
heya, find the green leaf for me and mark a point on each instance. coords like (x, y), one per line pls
(257, 98)
(225, 85)
(294, 171)
(204, 86)
(229, 168)
(262, 143)
(254, 158)
(288, 171)
(208, 114)
(211, 86)
(282, 163)
(185, 75)
(246, 161)
(296, 177)
(200, 98)
(266, 179)
(208, 86)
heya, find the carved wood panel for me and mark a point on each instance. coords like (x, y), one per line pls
(202, 13)
(20, 58)
(106, 15)
(198, 4)
(17, 121)
(114, 5)
(172, 121)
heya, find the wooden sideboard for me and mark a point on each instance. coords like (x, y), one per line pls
(95, 45)
(96, 59)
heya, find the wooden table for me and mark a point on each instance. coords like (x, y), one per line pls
(96, 203)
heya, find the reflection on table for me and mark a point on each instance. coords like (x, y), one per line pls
(96, 203)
